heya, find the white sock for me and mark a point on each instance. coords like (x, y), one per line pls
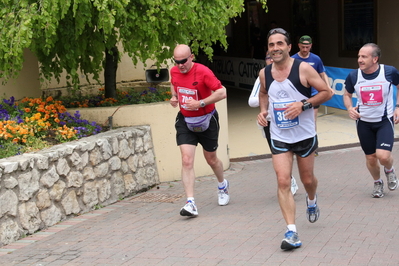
(312, 202)
(379, 180)
(291, 227)
(388, 171)
(222, 185)
(190, 199)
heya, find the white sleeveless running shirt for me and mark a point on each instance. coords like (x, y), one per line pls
(281, 94)
(372, 96)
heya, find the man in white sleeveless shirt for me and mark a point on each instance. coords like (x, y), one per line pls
(375, 113)
(285, 95)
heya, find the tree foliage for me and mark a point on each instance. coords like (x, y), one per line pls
(76, 35)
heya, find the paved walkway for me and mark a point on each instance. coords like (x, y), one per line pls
(354, 229)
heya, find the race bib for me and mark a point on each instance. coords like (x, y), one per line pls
(185, 94)
(371, 95)
(281, 121)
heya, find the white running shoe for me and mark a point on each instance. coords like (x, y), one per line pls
(392, 179)
(378, 191)
(294, 185)
(290, 241)
(223, 195)
(189, 209)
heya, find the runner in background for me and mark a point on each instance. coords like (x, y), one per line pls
(304, 54)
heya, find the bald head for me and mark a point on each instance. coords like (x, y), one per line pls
(182, 50)
(183, 58)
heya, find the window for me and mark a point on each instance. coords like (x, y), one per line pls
(357, 18)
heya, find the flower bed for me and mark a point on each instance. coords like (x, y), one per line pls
(35, 123)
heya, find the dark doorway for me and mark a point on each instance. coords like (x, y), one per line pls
(304, 13)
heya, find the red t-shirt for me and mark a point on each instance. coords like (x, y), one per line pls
(198, 83)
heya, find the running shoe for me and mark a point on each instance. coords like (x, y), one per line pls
(392, 179)
(378, 191)
(223, 195)
(312, 212)
(189, 209)
(290, 241)
(294, 185)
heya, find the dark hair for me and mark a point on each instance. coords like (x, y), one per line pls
(376, 52)
(281, 31)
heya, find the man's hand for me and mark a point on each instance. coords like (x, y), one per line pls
(353, 113)
(192, 104)
(173, 101)
(396, 116)
(262, 119)
(293, 110)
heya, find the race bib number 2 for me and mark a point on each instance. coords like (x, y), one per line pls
(371, 95)
(185, 94)
(281, 121)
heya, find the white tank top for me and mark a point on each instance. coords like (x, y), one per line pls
(288, 131)
(375, 97)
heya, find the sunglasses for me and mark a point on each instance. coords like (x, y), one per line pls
(181, 62)
(277, 30)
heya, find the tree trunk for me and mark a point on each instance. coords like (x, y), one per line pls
(111, 65)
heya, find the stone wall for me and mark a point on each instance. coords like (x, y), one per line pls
(37, 190)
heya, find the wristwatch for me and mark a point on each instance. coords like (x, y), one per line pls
(306, 105)
(202, 103)
(397, 106)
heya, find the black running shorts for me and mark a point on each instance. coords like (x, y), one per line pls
(302, 148)
(377, 135)
(208, 139)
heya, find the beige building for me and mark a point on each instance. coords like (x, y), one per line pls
(338, 29)
(27, 84)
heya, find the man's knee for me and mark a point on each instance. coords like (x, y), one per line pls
(284, 183)
(212, 159)
(372, 158)
(308, 179)
(384, 157)
(187, 161)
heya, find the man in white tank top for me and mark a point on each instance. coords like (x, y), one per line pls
(375, 113)
(285, 95)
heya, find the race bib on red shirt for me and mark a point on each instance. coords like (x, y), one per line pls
(185, 94)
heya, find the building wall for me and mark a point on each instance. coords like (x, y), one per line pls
(27, 84)
(388, 29)
(387, 39)
(126, 72)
